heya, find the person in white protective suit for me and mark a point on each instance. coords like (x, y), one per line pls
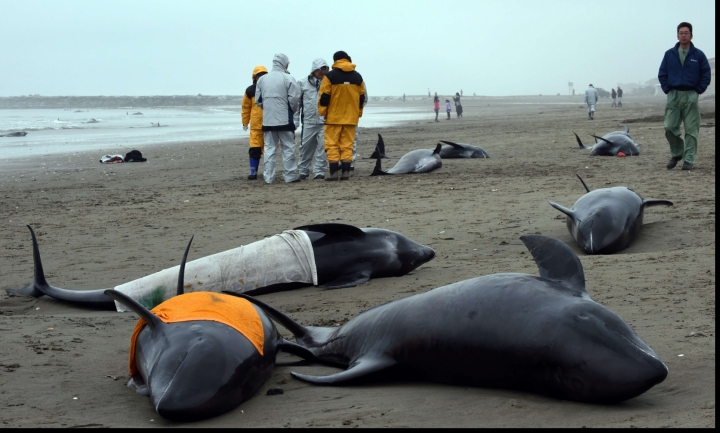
(312, 142)
(278, 94)
(591, 98)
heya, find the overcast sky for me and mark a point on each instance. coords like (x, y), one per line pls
(186, 47)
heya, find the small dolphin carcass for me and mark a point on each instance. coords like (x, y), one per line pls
(330, 256)
(198, 355)
(415, 161)
(607, 220)
(510, 330)
(612, 144)
(461, 150)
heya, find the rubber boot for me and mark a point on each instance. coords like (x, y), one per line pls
(345, 175)
(334, 171)
(254, 164)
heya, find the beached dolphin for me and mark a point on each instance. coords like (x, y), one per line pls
(15, 134)
(379, 149)
(461, 150)
(327, 255)
(415, 161)
(201, 354)
(607, 220)
(611, 144)
(511, 330)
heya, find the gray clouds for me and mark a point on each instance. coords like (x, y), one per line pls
(171, 47)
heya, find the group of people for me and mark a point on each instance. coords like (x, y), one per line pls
(448, 107)
(618, 95)
(684, 74)
(326, 105)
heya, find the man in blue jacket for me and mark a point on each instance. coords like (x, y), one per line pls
(684, 74)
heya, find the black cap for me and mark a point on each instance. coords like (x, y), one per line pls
(341, 55)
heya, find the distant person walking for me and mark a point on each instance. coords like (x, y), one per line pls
(342, 98)
(448, 108)
(458, 105)
(613, 95)
(684, 74)
(591, 98)
(252, 116)
(436, 103)
(619, 95)
(312, 136)
(278, 94)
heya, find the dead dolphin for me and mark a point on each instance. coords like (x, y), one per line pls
(511, 330)
(327, 255)
(611, 144)
(15, 134)
(415, 161)
(607, 220)
(461, 150)
(201, 354)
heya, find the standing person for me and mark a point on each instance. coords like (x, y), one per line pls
(278, 94)
(312, 142)
(591, 98)
(437, 108)
(447, 108)
(342, 98)
(458, 105)
(619, 95)
(252, 115)
(613, 95)
(684, 74)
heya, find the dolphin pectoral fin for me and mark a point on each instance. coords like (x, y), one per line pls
(582, 146)
(556, 261)
(348, 280)
(361, 368)
(605, 140)
(455, 145)
(139, 384)
(583, 182)
(656, 202)
(563, 209)
(296, 349)
(297, 329)
(135, 306)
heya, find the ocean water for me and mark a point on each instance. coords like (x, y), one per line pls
(119, 130)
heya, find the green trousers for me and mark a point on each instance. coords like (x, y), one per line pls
(682, 106)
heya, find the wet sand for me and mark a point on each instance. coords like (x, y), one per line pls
(102, 225)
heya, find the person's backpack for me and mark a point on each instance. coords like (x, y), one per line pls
(134, 156)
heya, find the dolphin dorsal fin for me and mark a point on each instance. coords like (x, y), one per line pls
(181, 274)
(603, 139)
(556, 261)
(438, 148)
(152, 320)
(583, 182)
(335, 229)
(563, 209)
(455, 145)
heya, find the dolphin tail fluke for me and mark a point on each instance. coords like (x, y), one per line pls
(582, 146)
(656, 202)
(556, 261)
(563, 209)
(135, 306)
(583, 182)
(379, 149)
(359, 369)
(377, 171)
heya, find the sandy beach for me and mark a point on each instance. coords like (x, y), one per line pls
(99, 226)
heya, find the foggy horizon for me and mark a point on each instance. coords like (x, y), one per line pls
(181, 48)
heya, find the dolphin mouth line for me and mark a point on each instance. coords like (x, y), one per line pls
(635, 344)
(169, 385)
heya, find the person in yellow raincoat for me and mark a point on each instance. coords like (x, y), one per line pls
(340, 105)
(252, 115)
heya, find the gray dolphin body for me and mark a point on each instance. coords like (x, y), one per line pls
(415, 161)
(345, 256)
(607, 220)
(197, 369)
(518, 331)
(15, 134)
(611, 144)
(461, 150)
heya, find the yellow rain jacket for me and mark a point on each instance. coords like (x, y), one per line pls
(342, 94)
(252, 114)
